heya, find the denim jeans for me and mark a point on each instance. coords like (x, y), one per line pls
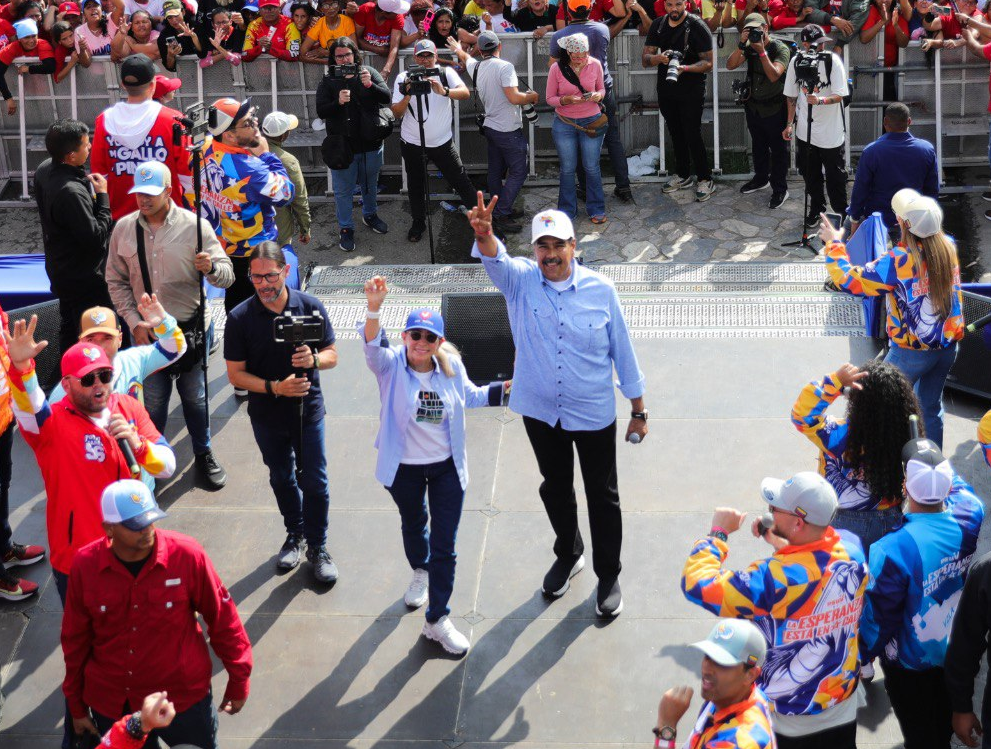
(438, 485)
(304, 512)
(196, 726)
(571, 145)
(869, 525)
(6, 471)
(927, 371)
(507, 157)
(363, 172)
(192, 396)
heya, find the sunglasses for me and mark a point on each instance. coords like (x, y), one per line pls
(104, 375)
(416, 335)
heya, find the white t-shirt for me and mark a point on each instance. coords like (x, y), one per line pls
(832, 717)
(437, 125)
(500, 25)
(827, 119)
(428, 439)
(154, 7)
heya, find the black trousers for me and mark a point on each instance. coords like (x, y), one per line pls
(830, 162)
(770, 149)
(921, 704)
(683, 118)
(446, 158)
(242, 288)
(841, 737)
(71, 308)
(554, 449)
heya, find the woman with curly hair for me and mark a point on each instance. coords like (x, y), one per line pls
(860, 454)
(921, 280)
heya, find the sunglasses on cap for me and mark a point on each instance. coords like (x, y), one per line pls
(88, 380)
(416, 335)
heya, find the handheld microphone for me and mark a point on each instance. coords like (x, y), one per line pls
(765, 523)
(634, 439)
(132, 463)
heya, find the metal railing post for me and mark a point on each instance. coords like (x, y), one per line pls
(939, 114)
(22, 123)
(716, 162)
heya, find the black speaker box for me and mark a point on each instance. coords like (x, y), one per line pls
(478, 324)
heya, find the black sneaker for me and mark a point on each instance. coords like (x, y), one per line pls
(558, 578)
(608, 598)
(986, 196)
(517, 213)
(625, 194)
(777, 199)
(347, 240)
(813, 219)
(415, 233)
(754, 185)
(987, 215)
(507, 225)
(210, 471)
(291, 552)
(376, 224)
(324, 569)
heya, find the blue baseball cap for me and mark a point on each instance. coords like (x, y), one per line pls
(131, 504)
(733, 642)
(26, 27)
(425, 319)
(150, 178)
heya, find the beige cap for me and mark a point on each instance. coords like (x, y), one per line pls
(901, 199)
(98, 320)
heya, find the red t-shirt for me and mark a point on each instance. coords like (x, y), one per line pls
(7, 12)
(375, 33)
(14, 50)
(987, 56)
(7, 32)
(890, 44)
(950, 25)
(599, 10)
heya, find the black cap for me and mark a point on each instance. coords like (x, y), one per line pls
(814, 34)
(137, 70)
(923, 450)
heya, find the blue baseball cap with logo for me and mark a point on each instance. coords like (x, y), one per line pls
(150, 178)
(131, 504)
(734, 642)
(425, 319)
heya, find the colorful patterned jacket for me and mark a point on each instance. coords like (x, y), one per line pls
(806, 600)
(830, 436)
(745, 725)
(912, 321)
(240, 194)
(984, 436)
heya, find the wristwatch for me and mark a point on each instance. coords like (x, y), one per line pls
(642, 415)
(447, 91)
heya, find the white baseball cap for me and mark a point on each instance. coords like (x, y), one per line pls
(399, 7)
(928, 475)
(924, 217)
(551, 223)
(277, 123)
(902, 199)
(806, 494)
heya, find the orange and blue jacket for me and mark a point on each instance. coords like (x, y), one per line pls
(745, 725)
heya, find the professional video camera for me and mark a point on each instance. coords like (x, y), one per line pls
(674, 59)
(344, 71)
(807, 68)
(417, 79)
(741, 89)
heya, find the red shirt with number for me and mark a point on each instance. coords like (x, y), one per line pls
(599, 12)
(379, 34)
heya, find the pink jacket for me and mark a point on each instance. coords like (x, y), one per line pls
(557, 86)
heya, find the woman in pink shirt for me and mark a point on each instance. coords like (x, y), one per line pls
(573, 135)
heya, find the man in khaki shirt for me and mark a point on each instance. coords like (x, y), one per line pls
(168, 234)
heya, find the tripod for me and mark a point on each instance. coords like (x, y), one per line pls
(804, 241)
(420, 118)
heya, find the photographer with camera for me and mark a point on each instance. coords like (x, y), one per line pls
(432, 114)
(348, 97)
(763, 99)
(281, 373)
(820, 78)
(496, 84)
(682, 65)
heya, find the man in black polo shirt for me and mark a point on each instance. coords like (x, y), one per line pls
(266, 369)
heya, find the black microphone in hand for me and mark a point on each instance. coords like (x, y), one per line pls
(132, 462)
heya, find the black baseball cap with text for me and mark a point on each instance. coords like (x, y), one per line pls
(137, 70)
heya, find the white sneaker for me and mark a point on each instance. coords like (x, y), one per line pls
(704, 190)
(416, 593)
(450, 639)
(318, 124)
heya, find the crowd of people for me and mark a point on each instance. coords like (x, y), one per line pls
(872, 554)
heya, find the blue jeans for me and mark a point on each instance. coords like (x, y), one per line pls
(507, 156)
(196, 726)
(192, 396)
(570, 144)
(869, 525)
(304, 512)
(363, 172)
(431, 550)
(927, 371)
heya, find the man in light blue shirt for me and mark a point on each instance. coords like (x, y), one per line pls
(569, 332)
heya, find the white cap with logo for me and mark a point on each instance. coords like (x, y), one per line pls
(807, 495)
(551, 223)
(278, 123)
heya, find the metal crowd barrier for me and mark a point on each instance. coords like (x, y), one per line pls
(947, 93)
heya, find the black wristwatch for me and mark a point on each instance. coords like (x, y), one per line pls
(133, 726)
(447, 91)
(642, 415)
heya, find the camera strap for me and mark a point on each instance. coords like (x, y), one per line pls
(142, 260)
(479, 110)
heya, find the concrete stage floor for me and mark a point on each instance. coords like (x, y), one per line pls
(346, 666)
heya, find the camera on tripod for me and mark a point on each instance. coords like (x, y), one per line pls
(741, 90)
(807, 68)
(345, 71)
(297, 330)
(194, 125)
(417, 79)
(674, 59)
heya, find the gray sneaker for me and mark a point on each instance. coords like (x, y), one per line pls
(291, 552)
(704, 190)
(678, 183)
(324, 569)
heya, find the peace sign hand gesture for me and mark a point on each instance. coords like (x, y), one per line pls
(480, 217)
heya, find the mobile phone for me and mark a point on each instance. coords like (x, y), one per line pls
(943, 10)
(428, 19)
(587, 95)
(835, 219)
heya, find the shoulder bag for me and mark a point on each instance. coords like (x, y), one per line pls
(592, 128)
